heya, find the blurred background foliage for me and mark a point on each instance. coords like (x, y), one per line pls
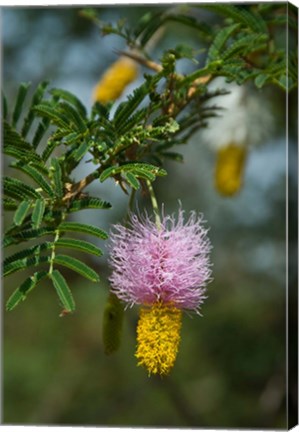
(230, 370)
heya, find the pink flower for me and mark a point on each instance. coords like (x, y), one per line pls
(168, 265)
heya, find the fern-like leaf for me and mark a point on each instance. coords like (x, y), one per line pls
(88, 203)
(77, 266)
(57, 177)
(38, 212)
(63, 291)
(21, 212)
(80, 245)
(24, 263)
(71, 98)
(36, 99)
(23, 89)
(82, 228)
(14, 188)
(23, 290)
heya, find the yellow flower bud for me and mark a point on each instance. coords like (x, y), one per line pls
(158, 337)
(115, 80)
(230, 169)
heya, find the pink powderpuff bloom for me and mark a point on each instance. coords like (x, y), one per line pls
(167, 264)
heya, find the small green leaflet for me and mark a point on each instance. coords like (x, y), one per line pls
(23, 89)
(21, 212)
(82, 228)
(38, 212)
(77, 266)
(21, 292)
(63, 291)
(56, 171)
(88, 203)
(132, 180)
(146, 169)
(80, 245)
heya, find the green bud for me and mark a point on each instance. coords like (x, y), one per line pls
(112, 324)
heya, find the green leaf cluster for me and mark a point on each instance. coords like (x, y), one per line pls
(38, 198)
(48, 133)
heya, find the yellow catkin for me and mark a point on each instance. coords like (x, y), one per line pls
(115, 80)
(230, 169)
(158, 337)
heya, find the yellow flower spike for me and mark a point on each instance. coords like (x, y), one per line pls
(115, 80)
(158, 337)
(230, 169)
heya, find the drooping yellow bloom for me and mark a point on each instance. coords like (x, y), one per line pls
(115, 80)
(230, 169)
(158, 337)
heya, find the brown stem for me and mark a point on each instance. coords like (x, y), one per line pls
(143, 61)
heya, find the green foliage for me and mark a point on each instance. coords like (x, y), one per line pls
(22, 291)
(23, 89)
(77, 266)
(82, 228)
(63, 291)
(21, 212)
(46, 137)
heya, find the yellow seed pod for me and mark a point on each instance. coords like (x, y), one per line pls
(229, 170)
(112, 324)
(115, 80)
(158, 337)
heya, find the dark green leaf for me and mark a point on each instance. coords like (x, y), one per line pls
(156, 21)
(150, 170)
(132, 180)
(57, 177)
(107, 173)
(23, 89)
(82, 228)
(37, 177)
(38, 212)
(174, 156)
(69, 97)
(260, 80)
(51, 145)
(240, 15)
(16, 146)
(26, 235)
(24, 264)
(88, 203)
(47, 110)
(37, 97)
(77, 266)
(126, 109)
(147, 175)
(40, 132)
(219, 41)
(83, 148)
(74, 116)
(21, 212)
(63, 291)
(9, 204)
(245, 45)
(80, 245)
(21, 292)
(14, 188)
(34, 250)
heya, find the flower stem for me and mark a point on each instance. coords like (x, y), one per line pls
(154, 203)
